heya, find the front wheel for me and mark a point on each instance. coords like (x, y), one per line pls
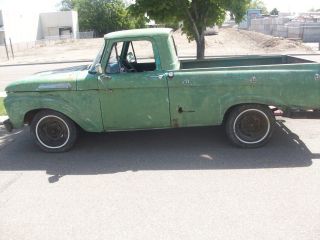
(53, 131)
(250, 126)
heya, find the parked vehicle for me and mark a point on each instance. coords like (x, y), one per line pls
(138, 82)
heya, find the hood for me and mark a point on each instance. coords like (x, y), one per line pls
(59, 80)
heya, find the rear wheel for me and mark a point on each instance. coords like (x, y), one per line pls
(250, 126)
(53, 131)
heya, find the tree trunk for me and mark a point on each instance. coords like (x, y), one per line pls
(200, 47)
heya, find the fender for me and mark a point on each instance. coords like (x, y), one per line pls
(228, 101)
(83, 107)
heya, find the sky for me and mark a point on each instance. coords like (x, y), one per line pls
(51, 5)
(292, 5)
(30, 5)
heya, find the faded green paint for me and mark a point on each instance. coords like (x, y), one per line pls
(199, 93)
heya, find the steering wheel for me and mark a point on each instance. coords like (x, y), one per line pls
(132, 68)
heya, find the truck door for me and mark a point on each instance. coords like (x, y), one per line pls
(133, 90)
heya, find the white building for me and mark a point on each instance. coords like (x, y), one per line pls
(23, 26)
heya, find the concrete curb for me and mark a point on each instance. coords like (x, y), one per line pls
(43, 63)
(2, 119)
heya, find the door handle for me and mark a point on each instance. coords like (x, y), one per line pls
(157, 76)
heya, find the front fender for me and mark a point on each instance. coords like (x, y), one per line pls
(82, 107)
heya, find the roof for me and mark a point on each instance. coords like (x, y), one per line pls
(143, 32)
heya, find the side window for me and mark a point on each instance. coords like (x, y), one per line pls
(114, 65)
(143, 51)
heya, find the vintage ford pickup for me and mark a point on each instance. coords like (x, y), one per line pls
(137, 82)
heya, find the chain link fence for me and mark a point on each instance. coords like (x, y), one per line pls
(7, 50)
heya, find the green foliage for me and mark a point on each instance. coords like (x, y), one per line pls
(195, 14)
(103, 16)
(274, 12)
(66, 5)
(2, 109)
(259, 4)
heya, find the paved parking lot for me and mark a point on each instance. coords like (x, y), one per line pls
(165, 184)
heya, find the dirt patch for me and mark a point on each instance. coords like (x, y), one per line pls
(229, 41)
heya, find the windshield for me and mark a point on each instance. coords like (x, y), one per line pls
(97, 59)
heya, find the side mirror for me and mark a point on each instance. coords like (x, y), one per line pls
(130, 57)
(98, 68)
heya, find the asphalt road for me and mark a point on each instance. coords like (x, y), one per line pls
(9, 74)
(164, 184)
(168, 184)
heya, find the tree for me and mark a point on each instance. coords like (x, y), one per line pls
(66, 5)
(195, 14)
(259, 4)
(103, 16)
(274, 12)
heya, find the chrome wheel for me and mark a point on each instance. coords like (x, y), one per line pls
(251, 126)
(52, 132)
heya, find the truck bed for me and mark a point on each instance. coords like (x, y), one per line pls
(241, 61)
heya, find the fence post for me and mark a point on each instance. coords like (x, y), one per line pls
(11, 48)
(5, 45)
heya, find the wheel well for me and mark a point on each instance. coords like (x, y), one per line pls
(226, 114)
(28, 117)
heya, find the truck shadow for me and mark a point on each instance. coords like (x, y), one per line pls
(177, 149)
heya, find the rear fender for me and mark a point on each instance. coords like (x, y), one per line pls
(228, 102)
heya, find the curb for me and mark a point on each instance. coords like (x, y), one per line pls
(43, 63)
(2, 119)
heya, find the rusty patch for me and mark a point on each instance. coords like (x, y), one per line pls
(175, 123)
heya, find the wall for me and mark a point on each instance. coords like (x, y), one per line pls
(2, 37)
(75, 25)
(286, 27)
(20, 26)
(251, 14)
(1, 19)
(53, 21)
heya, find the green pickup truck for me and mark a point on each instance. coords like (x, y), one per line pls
(138, 82)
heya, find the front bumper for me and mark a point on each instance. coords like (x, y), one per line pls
(8, 125)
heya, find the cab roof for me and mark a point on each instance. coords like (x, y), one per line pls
(143, 32)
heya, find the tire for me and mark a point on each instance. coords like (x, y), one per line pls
(53, 132)
(250, 126)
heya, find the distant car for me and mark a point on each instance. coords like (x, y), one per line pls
(138, 82)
